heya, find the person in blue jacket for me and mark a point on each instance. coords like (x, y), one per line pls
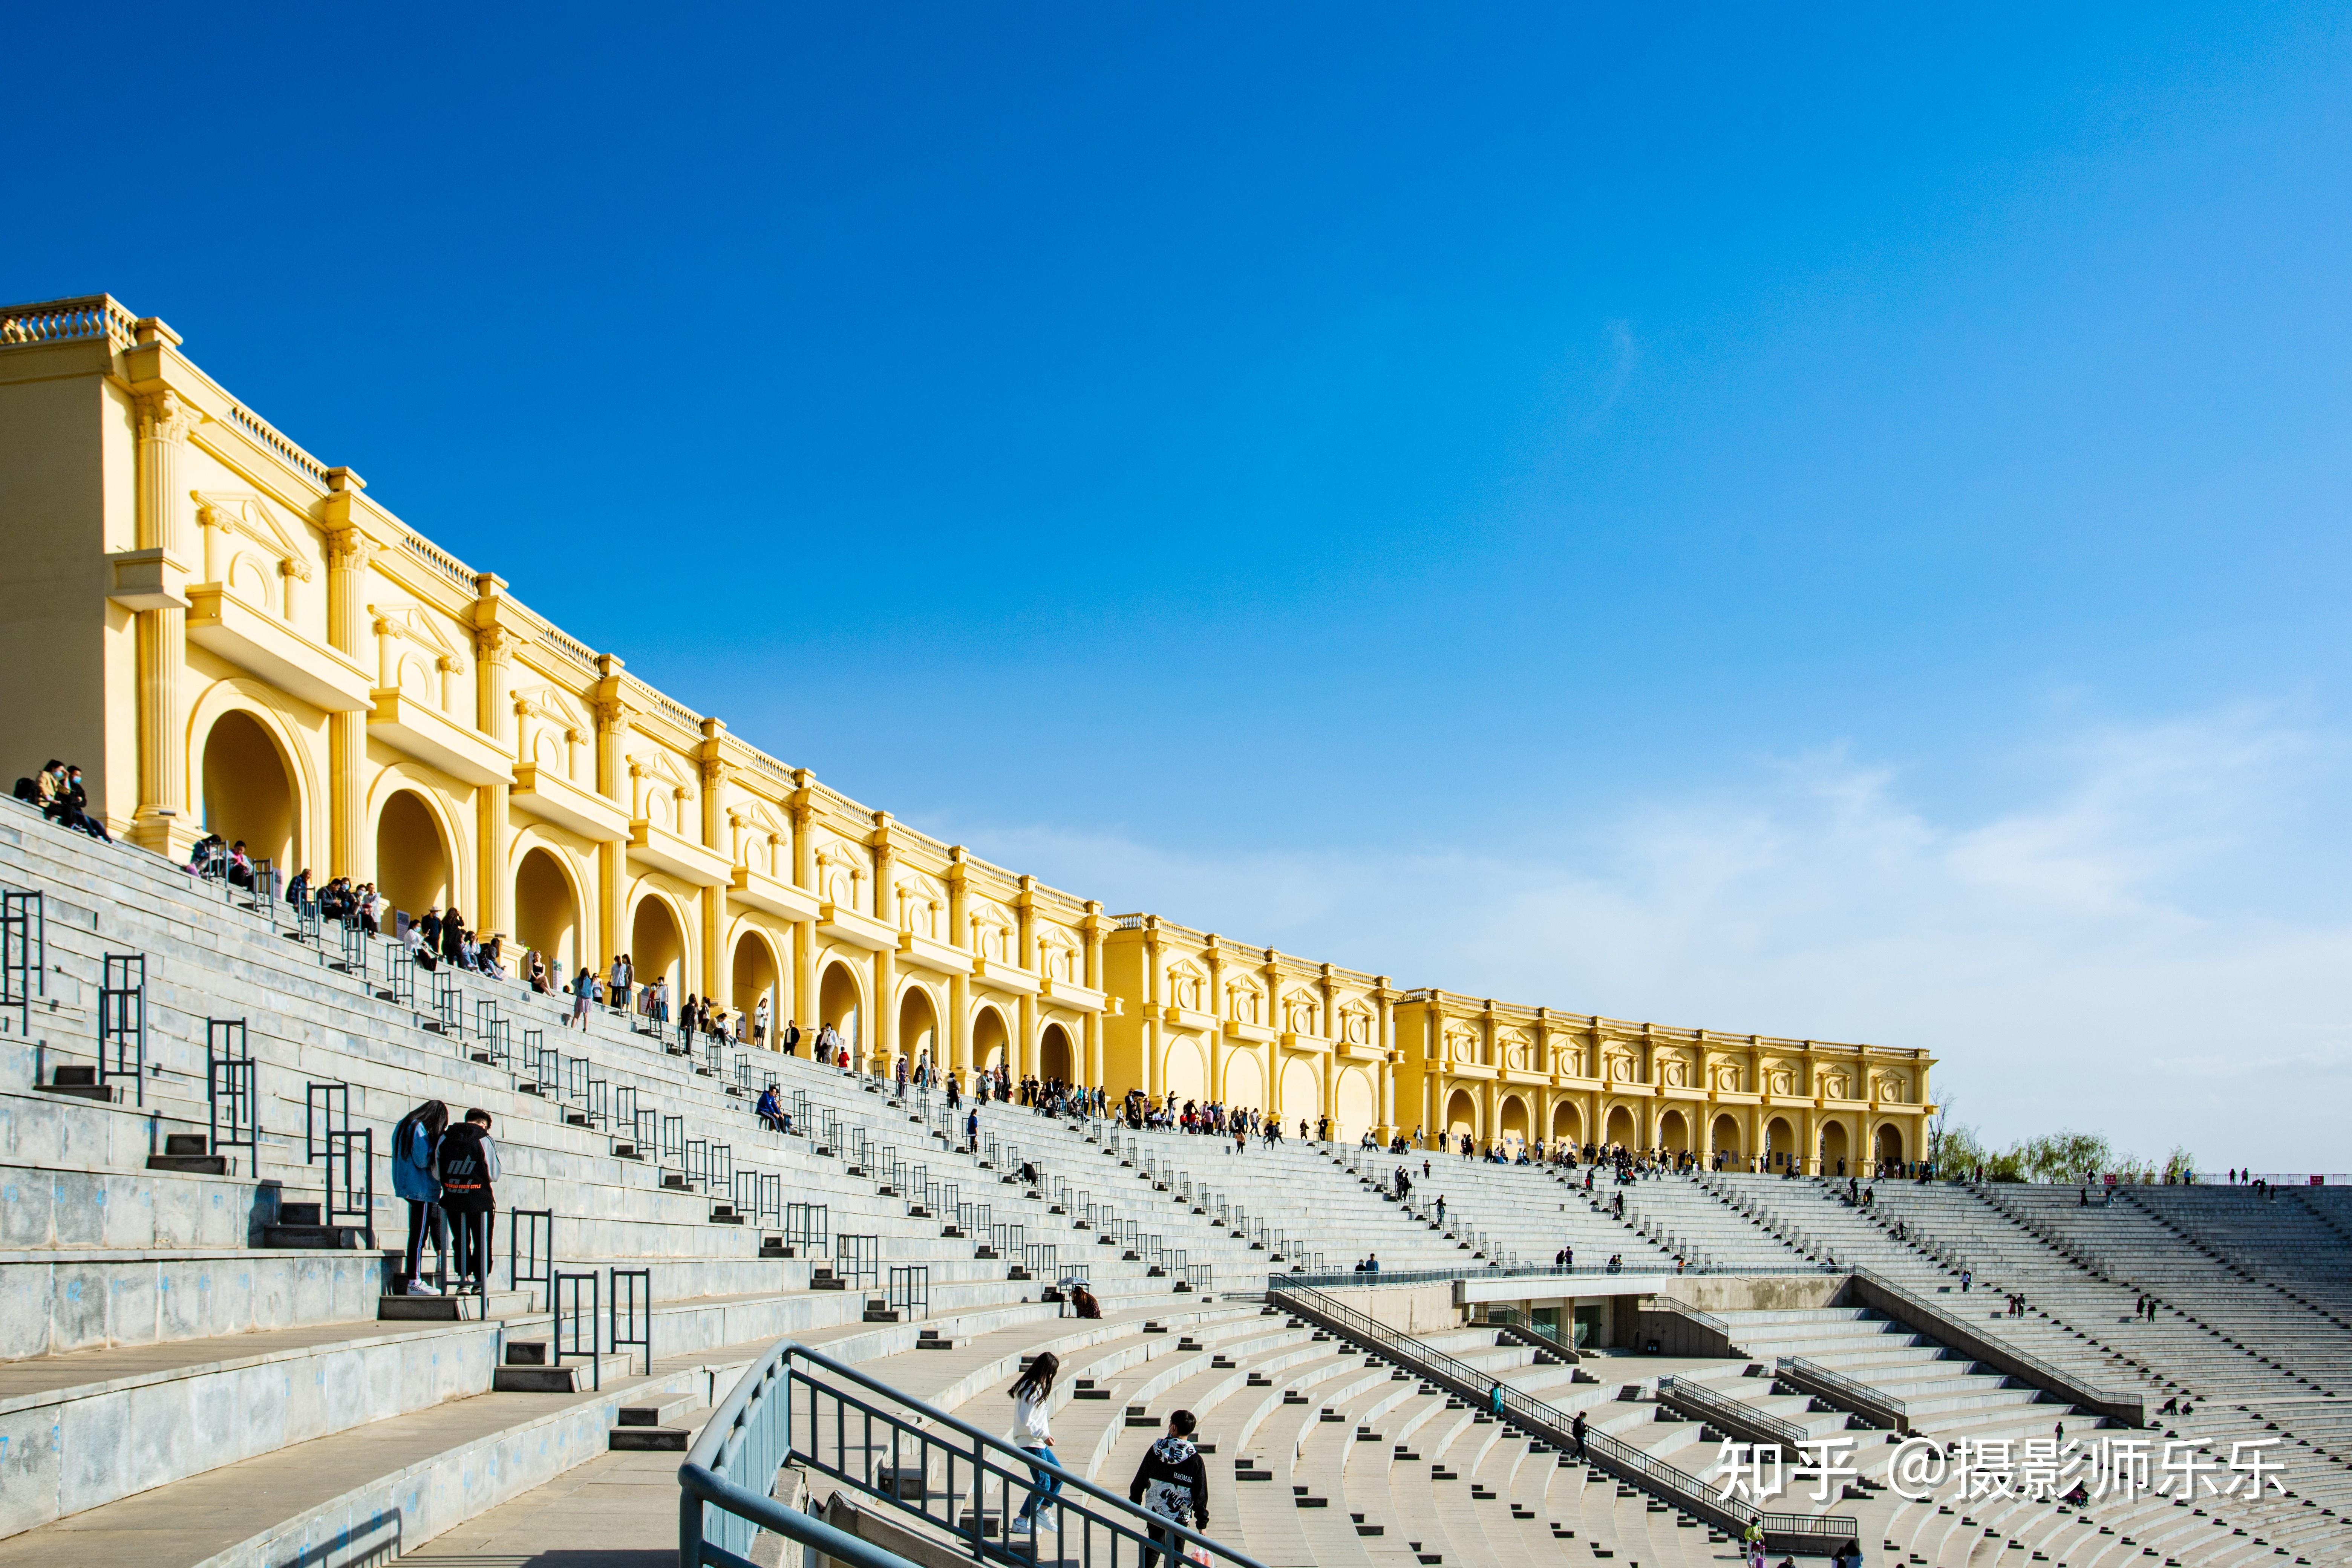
(414, 1142)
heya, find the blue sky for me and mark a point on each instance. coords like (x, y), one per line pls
(1829, 525)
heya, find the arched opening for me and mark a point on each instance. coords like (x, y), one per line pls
(1357, 1109)
(1244, 1082)
(1055, 1057)
(1186, 1078)
(1619, 1133)
(1566, 1123)
(1890, 1145)
(992, 1043)
(1673, 1133)
(1515, 1122)
(1461, 1114)
(1727, 1135)
(1780, 1142)
(547, 916)
(249, 791)
(412, 862)
(657, 949)
(752, 976)
(1302, 1092)
(837, 1003)
(918, 1027)
(1834, 1151)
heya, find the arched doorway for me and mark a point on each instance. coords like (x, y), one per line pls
(1834, 1150)
(546, 913)
(1302, 1093)
(837, 999)
(1357, 1110)
(918, 1027)
(1056, 1059)
(656, 949)
(1515, 1120)
(1244, 1082)
(991, 1042)
(1461, 1115)
(1673, 1133)
(1186, 1077)
(1566, 1123)
(1890, 1145)
(412, 860)
(1780, 1141)
(1727, 1135)
(248, 792)
(751, 977)
(1619, 1133)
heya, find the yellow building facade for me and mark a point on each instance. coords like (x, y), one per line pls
(230, 636)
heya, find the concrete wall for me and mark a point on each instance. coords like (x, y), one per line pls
(1409, 1310)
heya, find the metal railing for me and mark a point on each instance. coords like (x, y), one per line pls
(1733, 1417)
(350, 1178)
(355, 944)
(122, 1021)
(399, 977)
(1923, 1314)
(949, 1482)
(1543, 1271)
(808, 1225)
(530, 1249)
(24, 953)
(857, 1259)
(233, 1107)
(1836, 1388)
(1787, 1533)
(909, 1290)
(577, 1310)
(326, 1108)
(632, 1313)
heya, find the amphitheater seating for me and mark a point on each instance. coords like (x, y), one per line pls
(174, 1388)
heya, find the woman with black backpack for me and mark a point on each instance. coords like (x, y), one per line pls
(413, 1143)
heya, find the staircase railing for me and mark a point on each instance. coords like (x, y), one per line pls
(948, 1484)
(1845, 1393)
(1784, 1533)
(24, 953)
(1876, 1291)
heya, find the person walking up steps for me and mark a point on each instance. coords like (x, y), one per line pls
(1173, 1483)
(1032, 1393)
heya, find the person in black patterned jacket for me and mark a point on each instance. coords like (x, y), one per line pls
(1173, 1483)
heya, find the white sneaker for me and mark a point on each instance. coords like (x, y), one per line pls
(1047, 1525)
(419, 1288)
(1020, 1526)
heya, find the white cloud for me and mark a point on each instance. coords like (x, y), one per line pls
(2125, 949)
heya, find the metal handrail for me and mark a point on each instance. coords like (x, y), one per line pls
(1677, 1487)
(1529, 1271)
(1921, 1313)
(781, 1411)
(1734, 1417)
(1813, 1378)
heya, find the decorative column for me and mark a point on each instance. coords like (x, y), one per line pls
(1384, 1036)
(801, 807)
(350, 553)
(959, 985)
(718, 973)
(1093, 928)
(1024, 916)
(494, 647)
(162, 822)
(613, 716)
